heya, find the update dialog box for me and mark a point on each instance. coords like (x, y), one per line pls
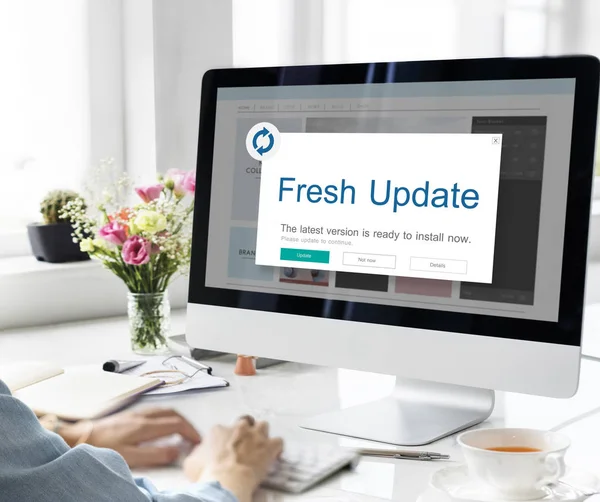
(413, 205)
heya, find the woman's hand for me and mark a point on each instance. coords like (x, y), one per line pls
(127, 432)
(239, 457)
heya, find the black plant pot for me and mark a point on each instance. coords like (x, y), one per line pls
(54, 243)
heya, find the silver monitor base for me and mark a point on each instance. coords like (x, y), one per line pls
(417, 413)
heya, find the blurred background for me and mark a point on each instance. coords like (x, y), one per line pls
(85, 80)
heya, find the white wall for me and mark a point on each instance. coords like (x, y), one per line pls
(105, 81)
(589, 35)
(138, 88)
(167, 47)
(190, 37)
(480, 21)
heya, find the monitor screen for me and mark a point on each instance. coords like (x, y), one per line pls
(534, 119)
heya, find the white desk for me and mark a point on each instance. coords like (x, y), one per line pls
(286, 393)
(591, 331)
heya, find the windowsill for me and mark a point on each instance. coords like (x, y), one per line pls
(14, 243)
(18, 265)
(34, 293)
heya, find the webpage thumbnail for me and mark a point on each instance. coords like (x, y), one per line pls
(423, 287)
(364, 282)
(292, 275)
(242, 252)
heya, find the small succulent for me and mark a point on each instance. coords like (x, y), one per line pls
(52, 205)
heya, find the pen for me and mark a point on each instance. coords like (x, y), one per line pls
(195, 364)
(116, 366)
(404, 454)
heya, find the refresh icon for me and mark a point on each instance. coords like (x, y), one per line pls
(262, 141)
(264, 132)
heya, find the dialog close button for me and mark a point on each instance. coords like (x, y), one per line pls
(306, 255)
(438, 265)
(369, 260)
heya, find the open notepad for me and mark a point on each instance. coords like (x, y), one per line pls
(200, 380)
(73, 394)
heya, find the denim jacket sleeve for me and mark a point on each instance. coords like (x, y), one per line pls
(38, 466)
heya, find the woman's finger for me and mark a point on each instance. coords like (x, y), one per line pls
(276, 447)
(155, 428)
(247, 418)
(263, 428)
(157, 412)
(149, 456)
(192, 434)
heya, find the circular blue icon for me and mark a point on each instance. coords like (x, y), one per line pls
(262, 141)
(262, 149)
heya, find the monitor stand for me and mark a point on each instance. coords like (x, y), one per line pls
(417, 413)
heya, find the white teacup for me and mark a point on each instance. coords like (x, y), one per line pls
(515, 475)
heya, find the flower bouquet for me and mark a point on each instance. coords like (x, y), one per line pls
(146, 244)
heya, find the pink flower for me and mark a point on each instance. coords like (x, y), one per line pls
(149, 193)
(136, 251)
(189, 182)
(174, 178)
(114, 233)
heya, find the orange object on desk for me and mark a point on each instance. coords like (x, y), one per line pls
(244, 366)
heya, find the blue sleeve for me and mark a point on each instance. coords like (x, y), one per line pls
(205, 492)
(37, 466)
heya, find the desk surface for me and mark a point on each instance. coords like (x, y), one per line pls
(286, 393)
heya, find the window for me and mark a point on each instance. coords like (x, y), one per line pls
(300, 32)
(380, 30)
(261, 47)
(43, 124)
(533, 27)
(525, 28)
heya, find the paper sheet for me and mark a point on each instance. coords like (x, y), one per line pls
(201, 380)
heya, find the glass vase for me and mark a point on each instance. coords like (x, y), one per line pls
(149, 322)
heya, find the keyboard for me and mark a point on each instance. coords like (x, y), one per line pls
(302, 466)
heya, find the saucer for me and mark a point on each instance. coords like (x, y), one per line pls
(454, 482)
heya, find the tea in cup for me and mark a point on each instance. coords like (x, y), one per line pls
(516, 464)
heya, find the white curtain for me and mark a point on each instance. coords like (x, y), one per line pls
(274, 32)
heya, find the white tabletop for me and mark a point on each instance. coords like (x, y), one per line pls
(591, 331)
(286, 393)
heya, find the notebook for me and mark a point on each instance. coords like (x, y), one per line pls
(72, 394)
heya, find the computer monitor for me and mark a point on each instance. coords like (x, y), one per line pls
(464, 306)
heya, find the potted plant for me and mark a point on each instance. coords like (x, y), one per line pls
(145, 242)
(52, 240)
